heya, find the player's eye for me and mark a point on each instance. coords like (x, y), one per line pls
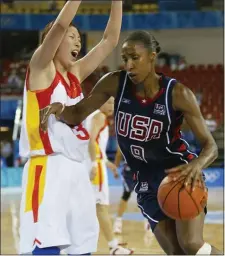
(135, 57)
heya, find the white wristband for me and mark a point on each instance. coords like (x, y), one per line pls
(94, 164)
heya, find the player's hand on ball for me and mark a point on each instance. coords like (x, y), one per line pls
(54, 108)
(193, 173)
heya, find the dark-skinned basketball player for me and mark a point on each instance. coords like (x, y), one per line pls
(149, 110)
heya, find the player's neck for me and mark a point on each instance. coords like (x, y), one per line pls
(60, 68)
(150, 86)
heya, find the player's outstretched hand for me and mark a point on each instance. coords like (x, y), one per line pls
(54, 108)
(192, 172)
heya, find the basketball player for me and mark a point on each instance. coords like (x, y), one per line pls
(128, 187)
(97, 126)
(149, 110)
(58, 207)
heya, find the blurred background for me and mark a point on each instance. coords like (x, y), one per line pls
(190, 33)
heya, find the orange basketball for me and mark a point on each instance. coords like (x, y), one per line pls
(178, 201)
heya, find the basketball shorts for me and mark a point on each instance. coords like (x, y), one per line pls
(147, 189)
(149, 206)
(127, 179)
(58, 206)
(100, 182)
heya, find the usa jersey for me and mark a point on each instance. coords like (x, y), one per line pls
(148, 130)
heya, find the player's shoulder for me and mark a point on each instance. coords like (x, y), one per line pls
(182, 96)
(113, 74)
(166, 80)
(177, 87)
(111, 79)
(35, 58)
(181, 90)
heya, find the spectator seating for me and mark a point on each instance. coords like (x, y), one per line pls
(206, 80)
(96, 7)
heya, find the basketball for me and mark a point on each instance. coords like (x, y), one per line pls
(178, 201)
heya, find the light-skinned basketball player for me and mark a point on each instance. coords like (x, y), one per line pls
(98, 129)
(58, 208)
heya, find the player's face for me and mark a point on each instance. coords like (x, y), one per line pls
(108, 107)
(137, 61)
(69, 47)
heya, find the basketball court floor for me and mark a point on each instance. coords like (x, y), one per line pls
(133, 228)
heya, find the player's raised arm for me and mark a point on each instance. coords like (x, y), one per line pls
(74, 115)
(85, 66)
(47, 50)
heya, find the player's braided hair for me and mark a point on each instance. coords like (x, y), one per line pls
(146, 38)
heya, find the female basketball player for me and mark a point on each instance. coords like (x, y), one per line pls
(58, 206)
(149, 109)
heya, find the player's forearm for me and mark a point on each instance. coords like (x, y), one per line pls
(105, 88)
(92, 151)
(113, 28)
(118, 158)
(67, 14)
(75, 114)
(208, 154)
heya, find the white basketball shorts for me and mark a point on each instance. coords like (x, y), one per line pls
(58, 207)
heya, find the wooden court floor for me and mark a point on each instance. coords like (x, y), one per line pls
(133, 227)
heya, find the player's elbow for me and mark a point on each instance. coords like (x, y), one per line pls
(214, 148)
(111, 40)
(216, 152)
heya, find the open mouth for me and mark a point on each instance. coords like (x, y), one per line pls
(74, 54)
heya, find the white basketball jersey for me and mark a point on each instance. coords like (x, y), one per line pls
(59, 138)
(102, 138)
